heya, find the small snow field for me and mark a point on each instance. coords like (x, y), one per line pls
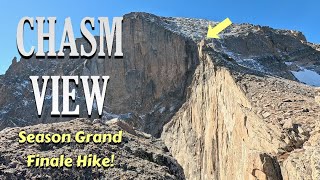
(308, 77)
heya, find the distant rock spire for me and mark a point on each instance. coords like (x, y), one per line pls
(14, 60)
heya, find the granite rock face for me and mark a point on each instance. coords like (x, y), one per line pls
(258, 120)
(146, 85)
(241, 107)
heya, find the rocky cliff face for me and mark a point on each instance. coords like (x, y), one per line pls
(255, 125)
(146, 86)
(234, 108)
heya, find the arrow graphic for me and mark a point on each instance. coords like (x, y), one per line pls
(213, 32)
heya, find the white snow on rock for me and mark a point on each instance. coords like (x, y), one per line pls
(196, 29)
(288, 63)
(47, 97)
(3, 112)
(161, 110)
(250, 63)
(308, 77)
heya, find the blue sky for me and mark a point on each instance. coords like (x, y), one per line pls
(284, 14)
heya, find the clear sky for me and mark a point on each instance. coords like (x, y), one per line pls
(285, 14)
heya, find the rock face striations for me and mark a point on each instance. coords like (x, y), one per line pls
(241, 107)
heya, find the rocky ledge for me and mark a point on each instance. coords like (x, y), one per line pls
(138, 156)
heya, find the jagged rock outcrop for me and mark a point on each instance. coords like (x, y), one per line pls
(138, 156)
(233, 108)
(240, 123)
(247, 134)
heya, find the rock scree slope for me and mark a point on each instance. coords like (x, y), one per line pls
(139, 156)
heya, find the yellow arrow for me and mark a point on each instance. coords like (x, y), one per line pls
(213, 32)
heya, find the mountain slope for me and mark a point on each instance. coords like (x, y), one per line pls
(138, 156)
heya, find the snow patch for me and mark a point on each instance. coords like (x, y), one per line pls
(142, 116)
(244, 62)
(108, 116)
(288, 63)
(172, 108)
(25, 83)
(195, 29)
(125, 116)
(161, 110)
(308, 77)
(3, 112)
(25, 102)
(17, 94)
(47, 97)
(251, 64)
